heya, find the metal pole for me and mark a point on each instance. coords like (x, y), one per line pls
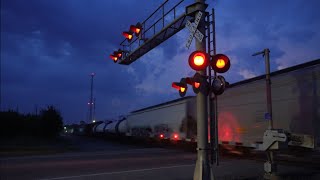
(202, 169)
(91, 99)
(270, 154)
(215, 96)
(210, 105)
(268, 86)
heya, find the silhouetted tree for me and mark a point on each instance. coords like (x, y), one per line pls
(51, 122)
(10, 123)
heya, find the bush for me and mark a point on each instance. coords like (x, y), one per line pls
(48, 124)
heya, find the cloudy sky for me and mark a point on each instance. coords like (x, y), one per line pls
(50, 47)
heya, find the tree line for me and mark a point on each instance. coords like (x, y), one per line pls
(48, 123)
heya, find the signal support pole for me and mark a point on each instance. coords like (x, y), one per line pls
(91, 99)
(270, 166)
(203, 171)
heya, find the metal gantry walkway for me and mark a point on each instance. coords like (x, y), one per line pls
(152, 35)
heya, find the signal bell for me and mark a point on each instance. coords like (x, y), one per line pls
(219, 85)
(220, 63)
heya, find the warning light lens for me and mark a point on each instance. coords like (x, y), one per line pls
(161, 135)
(196, 84)
(199, 59)
(113, 57)
(220, 63)
(182, 89)
(136, 28)
(118, 54)
(175, 136)
(128, 35)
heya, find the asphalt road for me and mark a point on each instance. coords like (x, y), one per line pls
(93, 157)
(98, 159)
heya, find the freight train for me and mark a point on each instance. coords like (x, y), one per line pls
(241, 112)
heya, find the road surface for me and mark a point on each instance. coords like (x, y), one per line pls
(97, 159)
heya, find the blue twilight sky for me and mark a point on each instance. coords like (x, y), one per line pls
(49, 48)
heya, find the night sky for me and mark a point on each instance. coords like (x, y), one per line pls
(50, 47)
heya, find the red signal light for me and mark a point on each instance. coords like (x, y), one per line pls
(198, 60)
(220, 63)
(181, 86)
(196, 84)
(161, 136)
(128, 35)
(114, 58)
(136, 29)
(118, 53)
(175, 136)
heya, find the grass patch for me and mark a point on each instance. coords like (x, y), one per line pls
(29, 145)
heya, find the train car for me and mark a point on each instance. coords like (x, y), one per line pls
(168, 120)
(295, 106)
(242, 111)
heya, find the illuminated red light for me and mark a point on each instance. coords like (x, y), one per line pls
(220, 63)
(182, 89)
(136, 29)
(175, 86)
(175, 136)
(196, 84)
(128, 35)
(113, 57)
(161, 135)
(198, 59)
(118, 54)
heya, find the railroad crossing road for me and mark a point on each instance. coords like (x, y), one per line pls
(132, 163)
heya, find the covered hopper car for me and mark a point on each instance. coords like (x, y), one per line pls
(241, 112)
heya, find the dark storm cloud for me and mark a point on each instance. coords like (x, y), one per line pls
(49, 48)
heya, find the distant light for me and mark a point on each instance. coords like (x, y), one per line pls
(93, 74)
(161, 136)
(175, 136)
(94, 121)
(65, 127)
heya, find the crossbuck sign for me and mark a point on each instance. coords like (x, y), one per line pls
(193, 30)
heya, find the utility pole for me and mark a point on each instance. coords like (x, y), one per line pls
(270, 166)
(203, 170)
(91, 103)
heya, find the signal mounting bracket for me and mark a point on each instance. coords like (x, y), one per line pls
(195, 7)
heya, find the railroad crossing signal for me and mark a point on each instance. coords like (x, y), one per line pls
(220, 63)
(128, 35)
(181, 86)
(199, 84)
(198, 60)
(136, 29)
(193, 30)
